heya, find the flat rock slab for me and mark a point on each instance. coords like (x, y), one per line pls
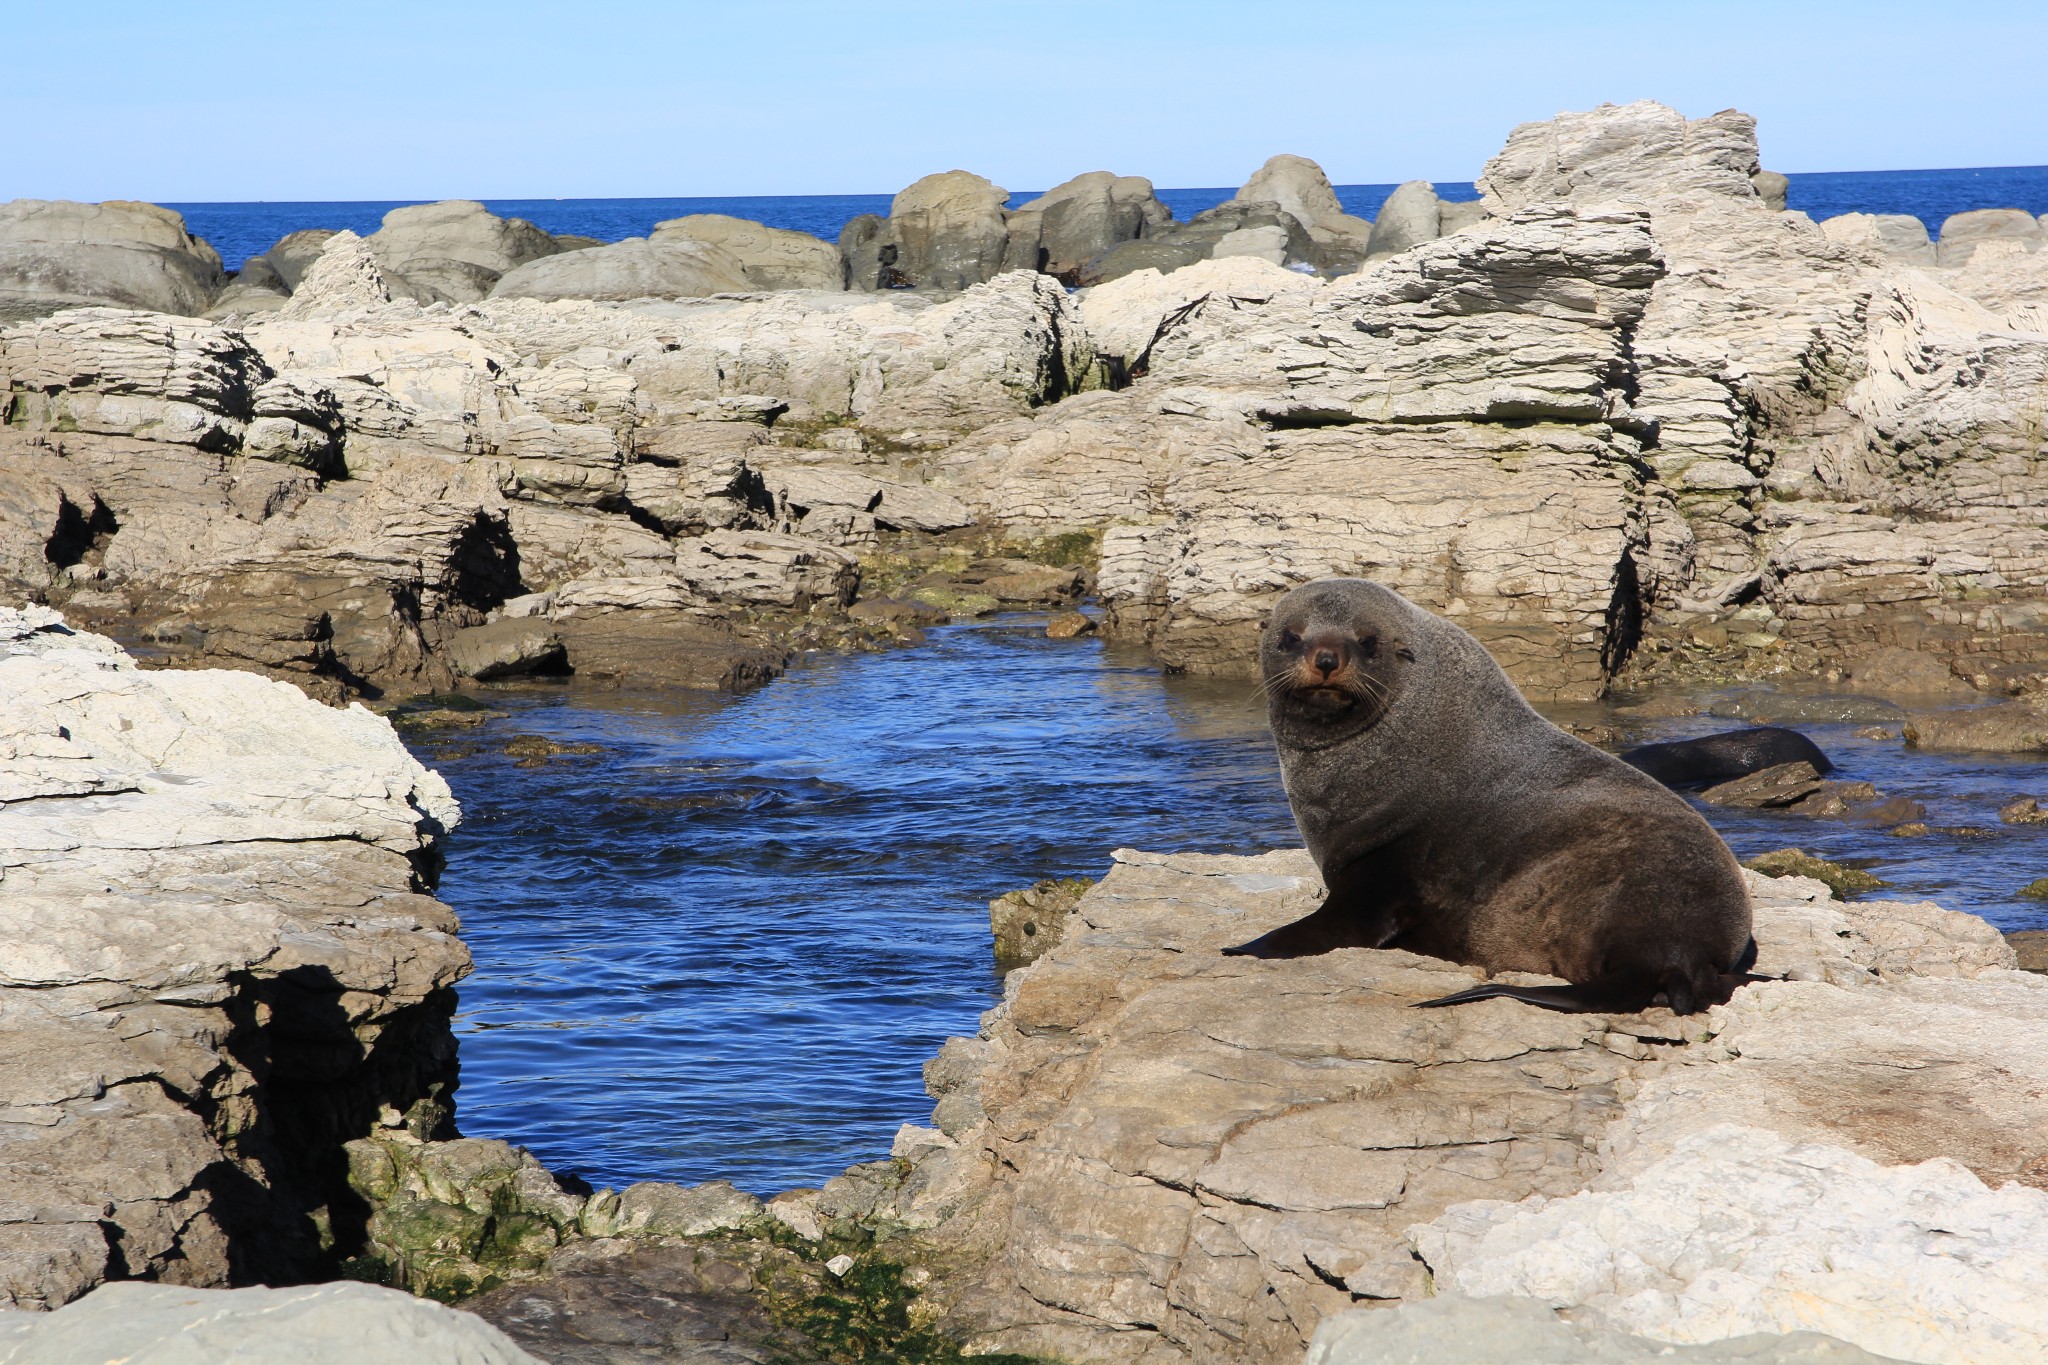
(1165, 1154)
(322, 1324)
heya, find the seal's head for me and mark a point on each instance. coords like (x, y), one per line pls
(1334, 656)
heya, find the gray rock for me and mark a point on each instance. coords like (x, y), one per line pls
(58, 254)
(636, 268)
(769, 258)
(1618, 151)
(456, 249)
(1963, 233)
(659, 1209)
(322, 1324)
(1899, 235)
(764, 569)
(505, 649)
(1299, 188)
(946, 231)
(294, 253)
(1771, 188)
(256, 288)
(1515, 1331)
(1411, 214)
(1454, 215)
(1063, 229)
(1197, 239)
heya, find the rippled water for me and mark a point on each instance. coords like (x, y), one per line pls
(725, 945)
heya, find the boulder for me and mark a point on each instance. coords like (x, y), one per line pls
(456, 249)
(255, 288)
(1963, 233)
(769, 258)
(761, 568)
(1299, 188)
(505, 649)
(1504, 1330)
(322, 1324)
(1267, 244)
(1177, 246)
(1124, 315)
(946, 231)
(1455, 215)
(1623, 151)
(1771, 188)
(1900, 236)
(1411, 214)
(206, 871)
(2002, 728)
(57, 254)
(636, 268)
(1063, 229)
(294, 253)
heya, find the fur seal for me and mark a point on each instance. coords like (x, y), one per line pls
(1452, 820)
(1725, 756)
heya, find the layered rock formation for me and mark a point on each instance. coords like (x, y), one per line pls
(221, 962)
(1154, 1152)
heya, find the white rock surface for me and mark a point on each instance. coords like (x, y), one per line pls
(325, 1324)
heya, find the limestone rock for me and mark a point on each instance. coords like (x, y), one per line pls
(1174, 1155)
(1643, 150)
(769, 258)
(1963, 233)
(55, 254)
(765, 569)
(1126, 314)
(1411, 214)
(1452, 1330)
(343, 277)
(636, 268)
(325, 1324)
(1061, 230)
(206, 872)
(456, 249)
(1917, 1262)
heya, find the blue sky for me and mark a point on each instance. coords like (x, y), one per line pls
(365, 99)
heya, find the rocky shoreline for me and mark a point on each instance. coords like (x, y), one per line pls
(1626, 420)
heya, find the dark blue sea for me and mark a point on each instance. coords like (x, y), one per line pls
(724, 945)
(239, 231)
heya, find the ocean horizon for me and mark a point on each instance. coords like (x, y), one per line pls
(239, 230)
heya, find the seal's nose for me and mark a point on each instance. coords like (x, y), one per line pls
(1327, 661)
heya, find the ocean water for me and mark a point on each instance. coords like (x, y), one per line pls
(724, 946)
(239, 231)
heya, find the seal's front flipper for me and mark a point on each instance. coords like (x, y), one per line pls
(1344, 920)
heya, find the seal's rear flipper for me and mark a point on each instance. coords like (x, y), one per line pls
(1587, 999)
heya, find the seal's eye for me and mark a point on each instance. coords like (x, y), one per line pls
(1289, 640)
(1368, 646)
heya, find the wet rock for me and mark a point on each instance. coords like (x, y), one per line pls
(1911, 829)
(2008, 727)
(2025, 811)
(1028, 923)
(1774, 787)
(897, 612)
(540, 746)
(1859, 802)
(1843, 880)
(2031, 947)
(2036, 890)
(506, 649)
(942, 593)
(623, 1302)
(1504, 1330)
(1069, 625)
(322, 1324)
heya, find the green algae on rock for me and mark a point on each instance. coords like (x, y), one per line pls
(1843, 880)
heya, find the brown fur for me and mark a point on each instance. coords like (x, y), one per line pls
(1450, 819)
